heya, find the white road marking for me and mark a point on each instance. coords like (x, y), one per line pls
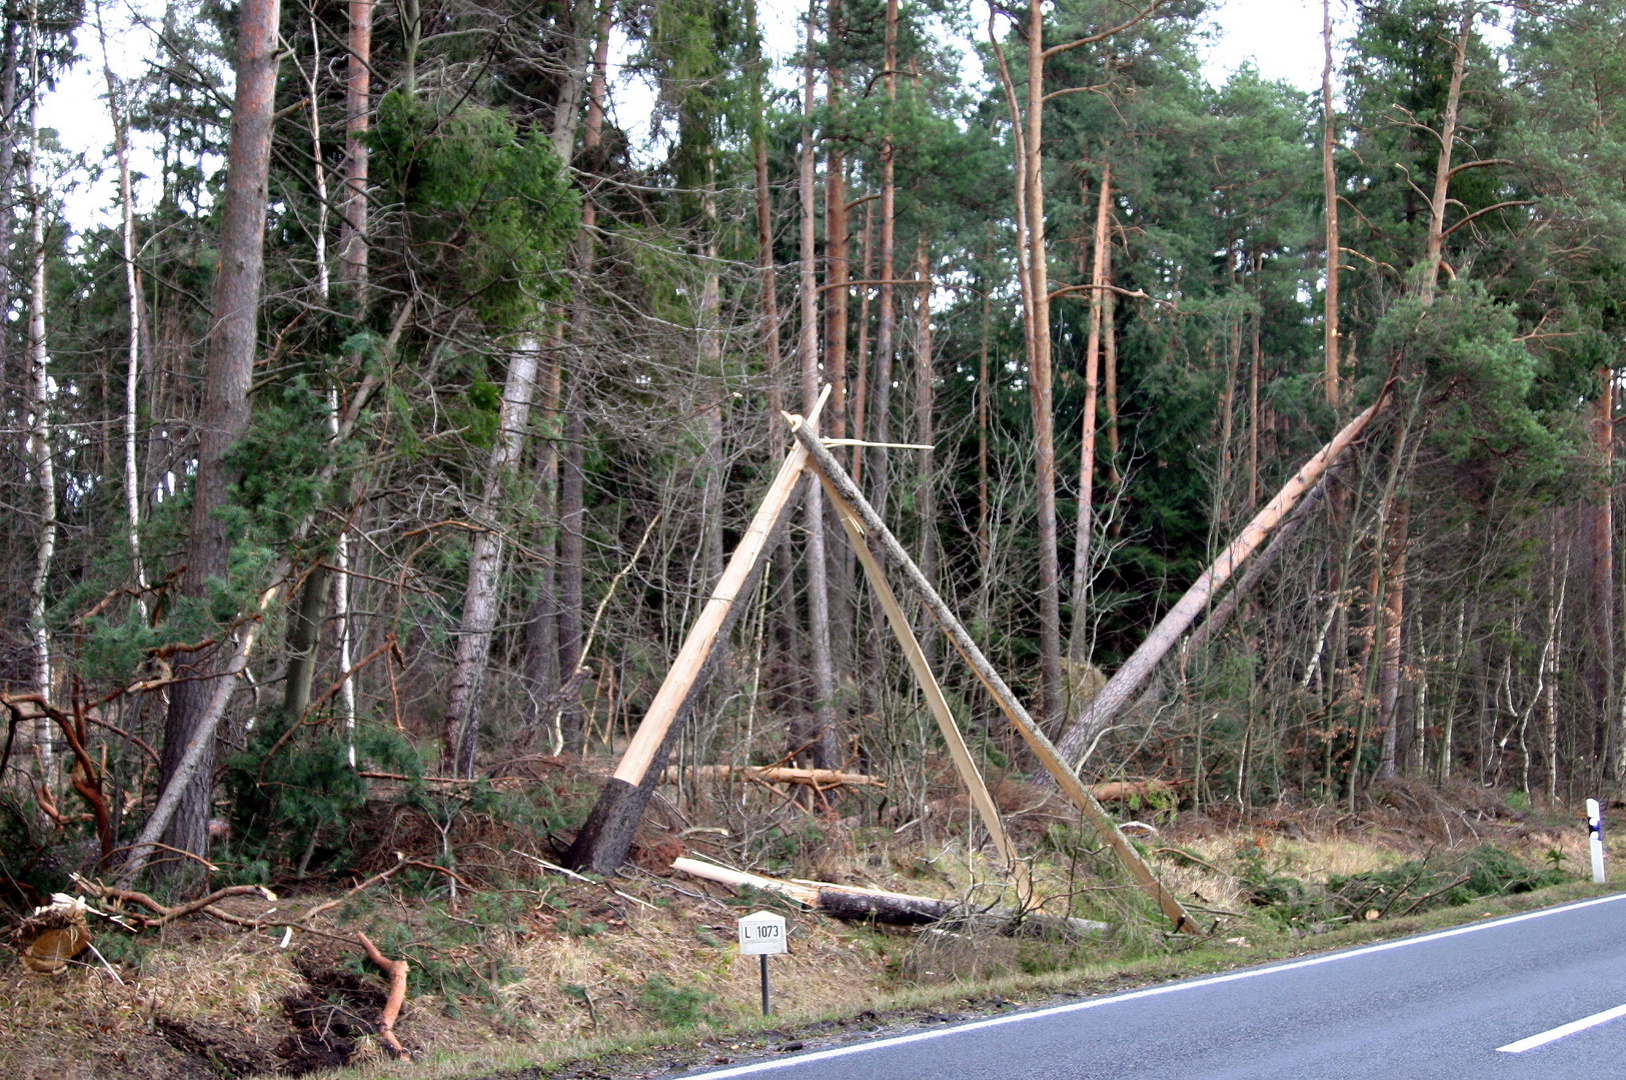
(1151, 991)
(1554, 1034)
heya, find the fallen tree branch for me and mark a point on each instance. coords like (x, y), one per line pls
(396, 972)
(164, 913)
(818, 778)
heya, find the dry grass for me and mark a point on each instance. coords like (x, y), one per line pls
(593, 968)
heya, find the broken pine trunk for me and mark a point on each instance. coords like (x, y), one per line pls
(1094, 719)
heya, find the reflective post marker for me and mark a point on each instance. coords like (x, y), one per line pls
(1594, 828)
(762, 933)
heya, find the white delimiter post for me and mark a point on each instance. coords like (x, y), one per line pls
(1594, 828)
(761, 934)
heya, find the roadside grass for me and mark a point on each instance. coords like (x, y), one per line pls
(719, 1042)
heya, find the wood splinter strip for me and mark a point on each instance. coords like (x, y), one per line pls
(396, 971)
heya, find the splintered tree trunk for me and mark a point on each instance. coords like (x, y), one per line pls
(460, 733)
(606, 836)
(1329, 189)
(225, 407)
(1121, 689)
(1078, 639)
(815, 741)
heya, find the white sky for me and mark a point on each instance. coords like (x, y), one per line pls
(1281, 37)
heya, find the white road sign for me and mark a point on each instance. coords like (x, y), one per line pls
(762, 933)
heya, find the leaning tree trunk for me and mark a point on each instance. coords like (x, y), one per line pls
(1093, 720)
(225, 406)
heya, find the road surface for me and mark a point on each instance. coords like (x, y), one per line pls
(1537, 995)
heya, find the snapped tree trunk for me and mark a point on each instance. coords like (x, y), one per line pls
(225, 408)
(1099, 714)
(605, 837)
(1077, 642)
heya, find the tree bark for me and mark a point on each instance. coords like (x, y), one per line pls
(39, 419)
(460, 734)
(231, 349)
(1039, 375)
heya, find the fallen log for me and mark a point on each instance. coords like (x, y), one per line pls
(771, 774)
(877, 905)
(1127, 681)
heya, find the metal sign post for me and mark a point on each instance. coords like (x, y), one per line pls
(1594, 828)
(762, 934)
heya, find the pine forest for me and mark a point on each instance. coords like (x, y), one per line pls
(485, 452)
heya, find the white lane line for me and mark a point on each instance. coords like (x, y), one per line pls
(1554, 1034)
(1134, 995)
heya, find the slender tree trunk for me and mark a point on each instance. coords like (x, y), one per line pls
(1109, 382)
(481, 599)
(815, 742)
(132, 287)
(572, 471)
(39, 408)
(358, 110)
(926, 494)
(353, 270)
(983, 390)
(232, 345)
(860, 391)
(1253, 413)
(1039, 377)
(1078, 639)
(305, 624)
(837, 242)
(880, 417)
(1394, 616)
(1601, 519)
(1329, 188)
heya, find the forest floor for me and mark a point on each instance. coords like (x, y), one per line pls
(640, 976)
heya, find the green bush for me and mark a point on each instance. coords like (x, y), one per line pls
(673, 1005)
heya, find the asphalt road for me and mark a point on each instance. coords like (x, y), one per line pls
(1541, 994)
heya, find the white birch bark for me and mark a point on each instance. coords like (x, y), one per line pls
(480, 600)
(39, 422)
